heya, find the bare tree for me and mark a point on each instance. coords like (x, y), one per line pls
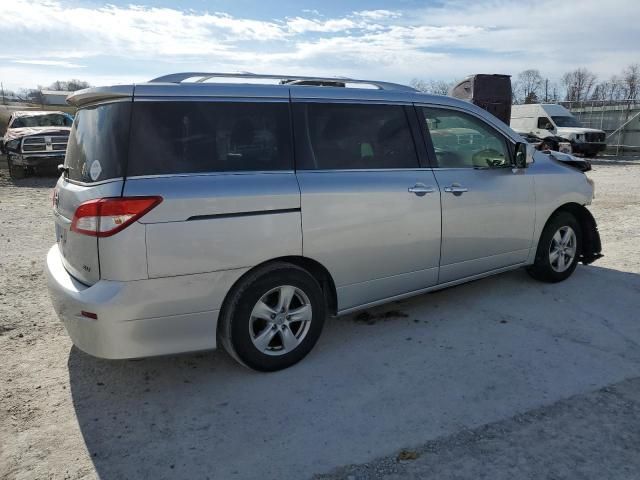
(74, 84)
(631, 81)
(435, 87)
(528, 85)
(35, 96)
(578, 84)
(69, 85)
(608, 90)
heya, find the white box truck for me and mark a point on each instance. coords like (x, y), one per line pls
(545, 120)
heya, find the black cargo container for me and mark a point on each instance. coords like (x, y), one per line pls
(491, 92)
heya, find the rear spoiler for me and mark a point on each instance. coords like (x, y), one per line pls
(99, 94)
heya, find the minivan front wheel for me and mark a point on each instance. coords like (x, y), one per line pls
(558, 250)
(273, 318)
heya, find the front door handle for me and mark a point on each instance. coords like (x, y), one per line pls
(456, 189)
(420, 189)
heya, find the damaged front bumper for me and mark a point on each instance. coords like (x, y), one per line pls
(36, 160)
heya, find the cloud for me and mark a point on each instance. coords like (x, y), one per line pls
(302, 25)
(446, 40)
(377, 14)
(49, 63)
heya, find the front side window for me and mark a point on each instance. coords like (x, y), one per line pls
(544, 123)
(463, 141)
(353, 136)
(195, 137)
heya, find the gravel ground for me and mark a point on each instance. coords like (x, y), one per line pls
(500, 378)
(591, 436)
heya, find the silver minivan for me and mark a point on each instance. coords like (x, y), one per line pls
(192, 212)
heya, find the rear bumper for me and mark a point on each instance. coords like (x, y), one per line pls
(139, 318)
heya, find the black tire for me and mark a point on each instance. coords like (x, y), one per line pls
(236, 329)
(549, 145)
(16, 172)
(542, 269)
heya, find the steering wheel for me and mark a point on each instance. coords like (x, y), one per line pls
(489, 157)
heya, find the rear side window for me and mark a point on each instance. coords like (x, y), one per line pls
(98, 143)
(194, 137)
(348, 136)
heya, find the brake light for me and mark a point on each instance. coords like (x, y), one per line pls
(104, 217)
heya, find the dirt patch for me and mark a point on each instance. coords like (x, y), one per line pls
(370, 318)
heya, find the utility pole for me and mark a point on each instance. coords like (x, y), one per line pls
(546, 90)
(2, 87)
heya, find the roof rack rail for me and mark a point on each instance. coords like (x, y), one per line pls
(284, 79)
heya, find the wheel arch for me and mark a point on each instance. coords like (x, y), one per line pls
(315, 268)
(591, 244)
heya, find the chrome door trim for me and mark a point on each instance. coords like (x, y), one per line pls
(209, 99)
(212, 174)
(93, 184)
(360, 170)
(253, 213)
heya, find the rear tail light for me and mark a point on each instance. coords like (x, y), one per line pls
(104, 217)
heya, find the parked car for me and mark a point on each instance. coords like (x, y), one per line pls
(559, 151)
(551, 143)
(35, 140)
(546, 120)
(201, 213)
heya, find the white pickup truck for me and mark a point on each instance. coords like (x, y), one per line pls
(545, 120)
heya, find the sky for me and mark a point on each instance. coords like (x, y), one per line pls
(125, 42)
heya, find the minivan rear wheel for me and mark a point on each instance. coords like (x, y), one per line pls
(273, 317)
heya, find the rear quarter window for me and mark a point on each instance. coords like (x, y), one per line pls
(98, 143)
(196, 137)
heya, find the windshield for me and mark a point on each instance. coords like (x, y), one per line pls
(51, 120)
(566, 121)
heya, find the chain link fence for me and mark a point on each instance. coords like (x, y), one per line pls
(619, 119)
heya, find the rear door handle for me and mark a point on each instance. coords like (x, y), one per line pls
(420, 189)
(456, 189)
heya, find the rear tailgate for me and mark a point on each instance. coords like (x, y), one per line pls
(95, 163)
(79, 251)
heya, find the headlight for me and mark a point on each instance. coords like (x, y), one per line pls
(13, 144)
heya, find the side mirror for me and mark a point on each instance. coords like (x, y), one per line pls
(523, 155)
(549, 126)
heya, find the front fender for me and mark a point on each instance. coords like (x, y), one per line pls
(591, 244)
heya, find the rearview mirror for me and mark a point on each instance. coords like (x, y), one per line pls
(523, 155)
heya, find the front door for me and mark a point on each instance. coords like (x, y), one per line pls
(487, 206)
(370, 213)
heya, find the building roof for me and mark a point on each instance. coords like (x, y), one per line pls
(55, 92)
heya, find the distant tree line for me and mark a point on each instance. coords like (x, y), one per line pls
(34, 95)
(530, 86)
